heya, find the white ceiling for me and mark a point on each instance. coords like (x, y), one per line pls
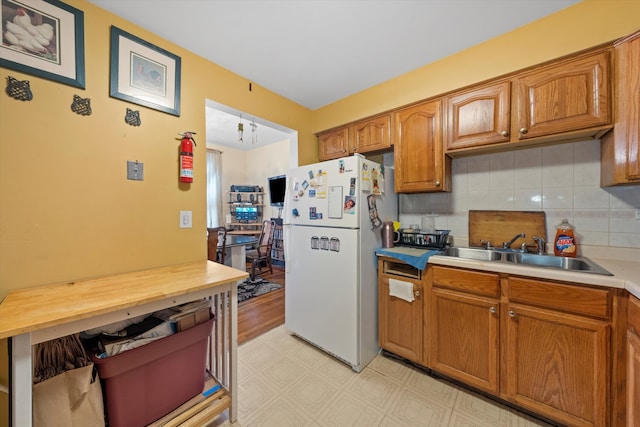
(315, 52)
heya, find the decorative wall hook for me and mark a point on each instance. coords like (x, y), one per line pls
(19, 90)
(132, 118)
(81, 106)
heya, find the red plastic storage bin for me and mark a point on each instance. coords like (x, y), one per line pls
(146, 383)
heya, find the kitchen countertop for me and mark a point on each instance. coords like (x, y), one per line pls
(626, 274)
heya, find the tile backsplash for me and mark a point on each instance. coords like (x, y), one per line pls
(562, 180)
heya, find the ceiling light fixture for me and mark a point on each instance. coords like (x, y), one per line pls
(254, 134)
(240, 131)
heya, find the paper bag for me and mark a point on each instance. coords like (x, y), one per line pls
(73, 398)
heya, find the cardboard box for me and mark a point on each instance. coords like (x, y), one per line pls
(189, 320)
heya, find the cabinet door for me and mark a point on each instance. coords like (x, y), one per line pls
(570, 96)
(478, 117)
(557, 365)
(621, 146)
(464, 338)
(420, 163)
(633, 380)
(372, 135)
(333, 144)
(400, 322)
(633, 363)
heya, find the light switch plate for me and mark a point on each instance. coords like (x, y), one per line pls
(185, 219)
(135, 170)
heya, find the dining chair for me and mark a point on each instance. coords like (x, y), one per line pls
(216, 244)
(260, 256)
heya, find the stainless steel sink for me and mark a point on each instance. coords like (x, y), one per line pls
(583, 265)
(478, 254)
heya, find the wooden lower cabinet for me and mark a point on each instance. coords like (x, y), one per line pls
(400, 323)
(633, 363)
(464, 334)
(567, 352)
(557, 349)
(464, 326)
(557, 365)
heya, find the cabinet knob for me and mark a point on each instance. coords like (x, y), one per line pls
(417, 293)
(505, 133)
(493, 310)
(437, 183)
(512, 313)
(524, 130)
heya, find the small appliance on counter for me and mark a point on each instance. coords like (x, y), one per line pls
(418, 239)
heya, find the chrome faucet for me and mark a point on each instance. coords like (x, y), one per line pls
(541, 244)
(507, 245)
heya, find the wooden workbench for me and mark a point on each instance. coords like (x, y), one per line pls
(34, 315)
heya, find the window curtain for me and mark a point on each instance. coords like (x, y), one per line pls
(214, 188)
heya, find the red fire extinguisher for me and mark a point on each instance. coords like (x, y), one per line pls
(186, 156)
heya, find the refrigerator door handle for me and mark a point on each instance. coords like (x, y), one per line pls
(287, 250)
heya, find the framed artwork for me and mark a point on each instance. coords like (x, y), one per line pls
(44, 38)
(143, 73)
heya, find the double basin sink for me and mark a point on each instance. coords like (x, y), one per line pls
(582, 265)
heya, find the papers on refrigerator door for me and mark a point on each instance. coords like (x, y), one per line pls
(335, 202)
(365, 178)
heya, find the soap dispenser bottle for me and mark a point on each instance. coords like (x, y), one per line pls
(565, 241)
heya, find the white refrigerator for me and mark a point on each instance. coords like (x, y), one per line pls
(332, 217)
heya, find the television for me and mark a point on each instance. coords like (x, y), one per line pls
(277, 190)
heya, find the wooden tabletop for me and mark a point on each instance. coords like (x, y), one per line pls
(239, 240)
(31, 309)
(244, 232)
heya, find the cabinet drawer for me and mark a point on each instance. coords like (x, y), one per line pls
(398, 268)
(634, 314)
(567, 298)
(466, 280)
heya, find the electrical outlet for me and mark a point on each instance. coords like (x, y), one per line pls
(185, 219)
(135, 170)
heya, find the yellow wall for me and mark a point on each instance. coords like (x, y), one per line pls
(586, 24)
(67, 211)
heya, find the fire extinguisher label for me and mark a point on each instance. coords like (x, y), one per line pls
(186, 166)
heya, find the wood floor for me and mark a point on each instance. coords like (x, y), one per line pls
(262, 313)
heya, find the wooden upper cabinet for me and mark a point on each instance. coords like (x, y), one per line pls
(420, 163)
(621, 146)
(333, 144)
(372, 134)
(569, 96)
(480, 116)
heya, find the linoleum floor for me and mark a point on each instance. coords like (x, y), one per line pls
(284, 381)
